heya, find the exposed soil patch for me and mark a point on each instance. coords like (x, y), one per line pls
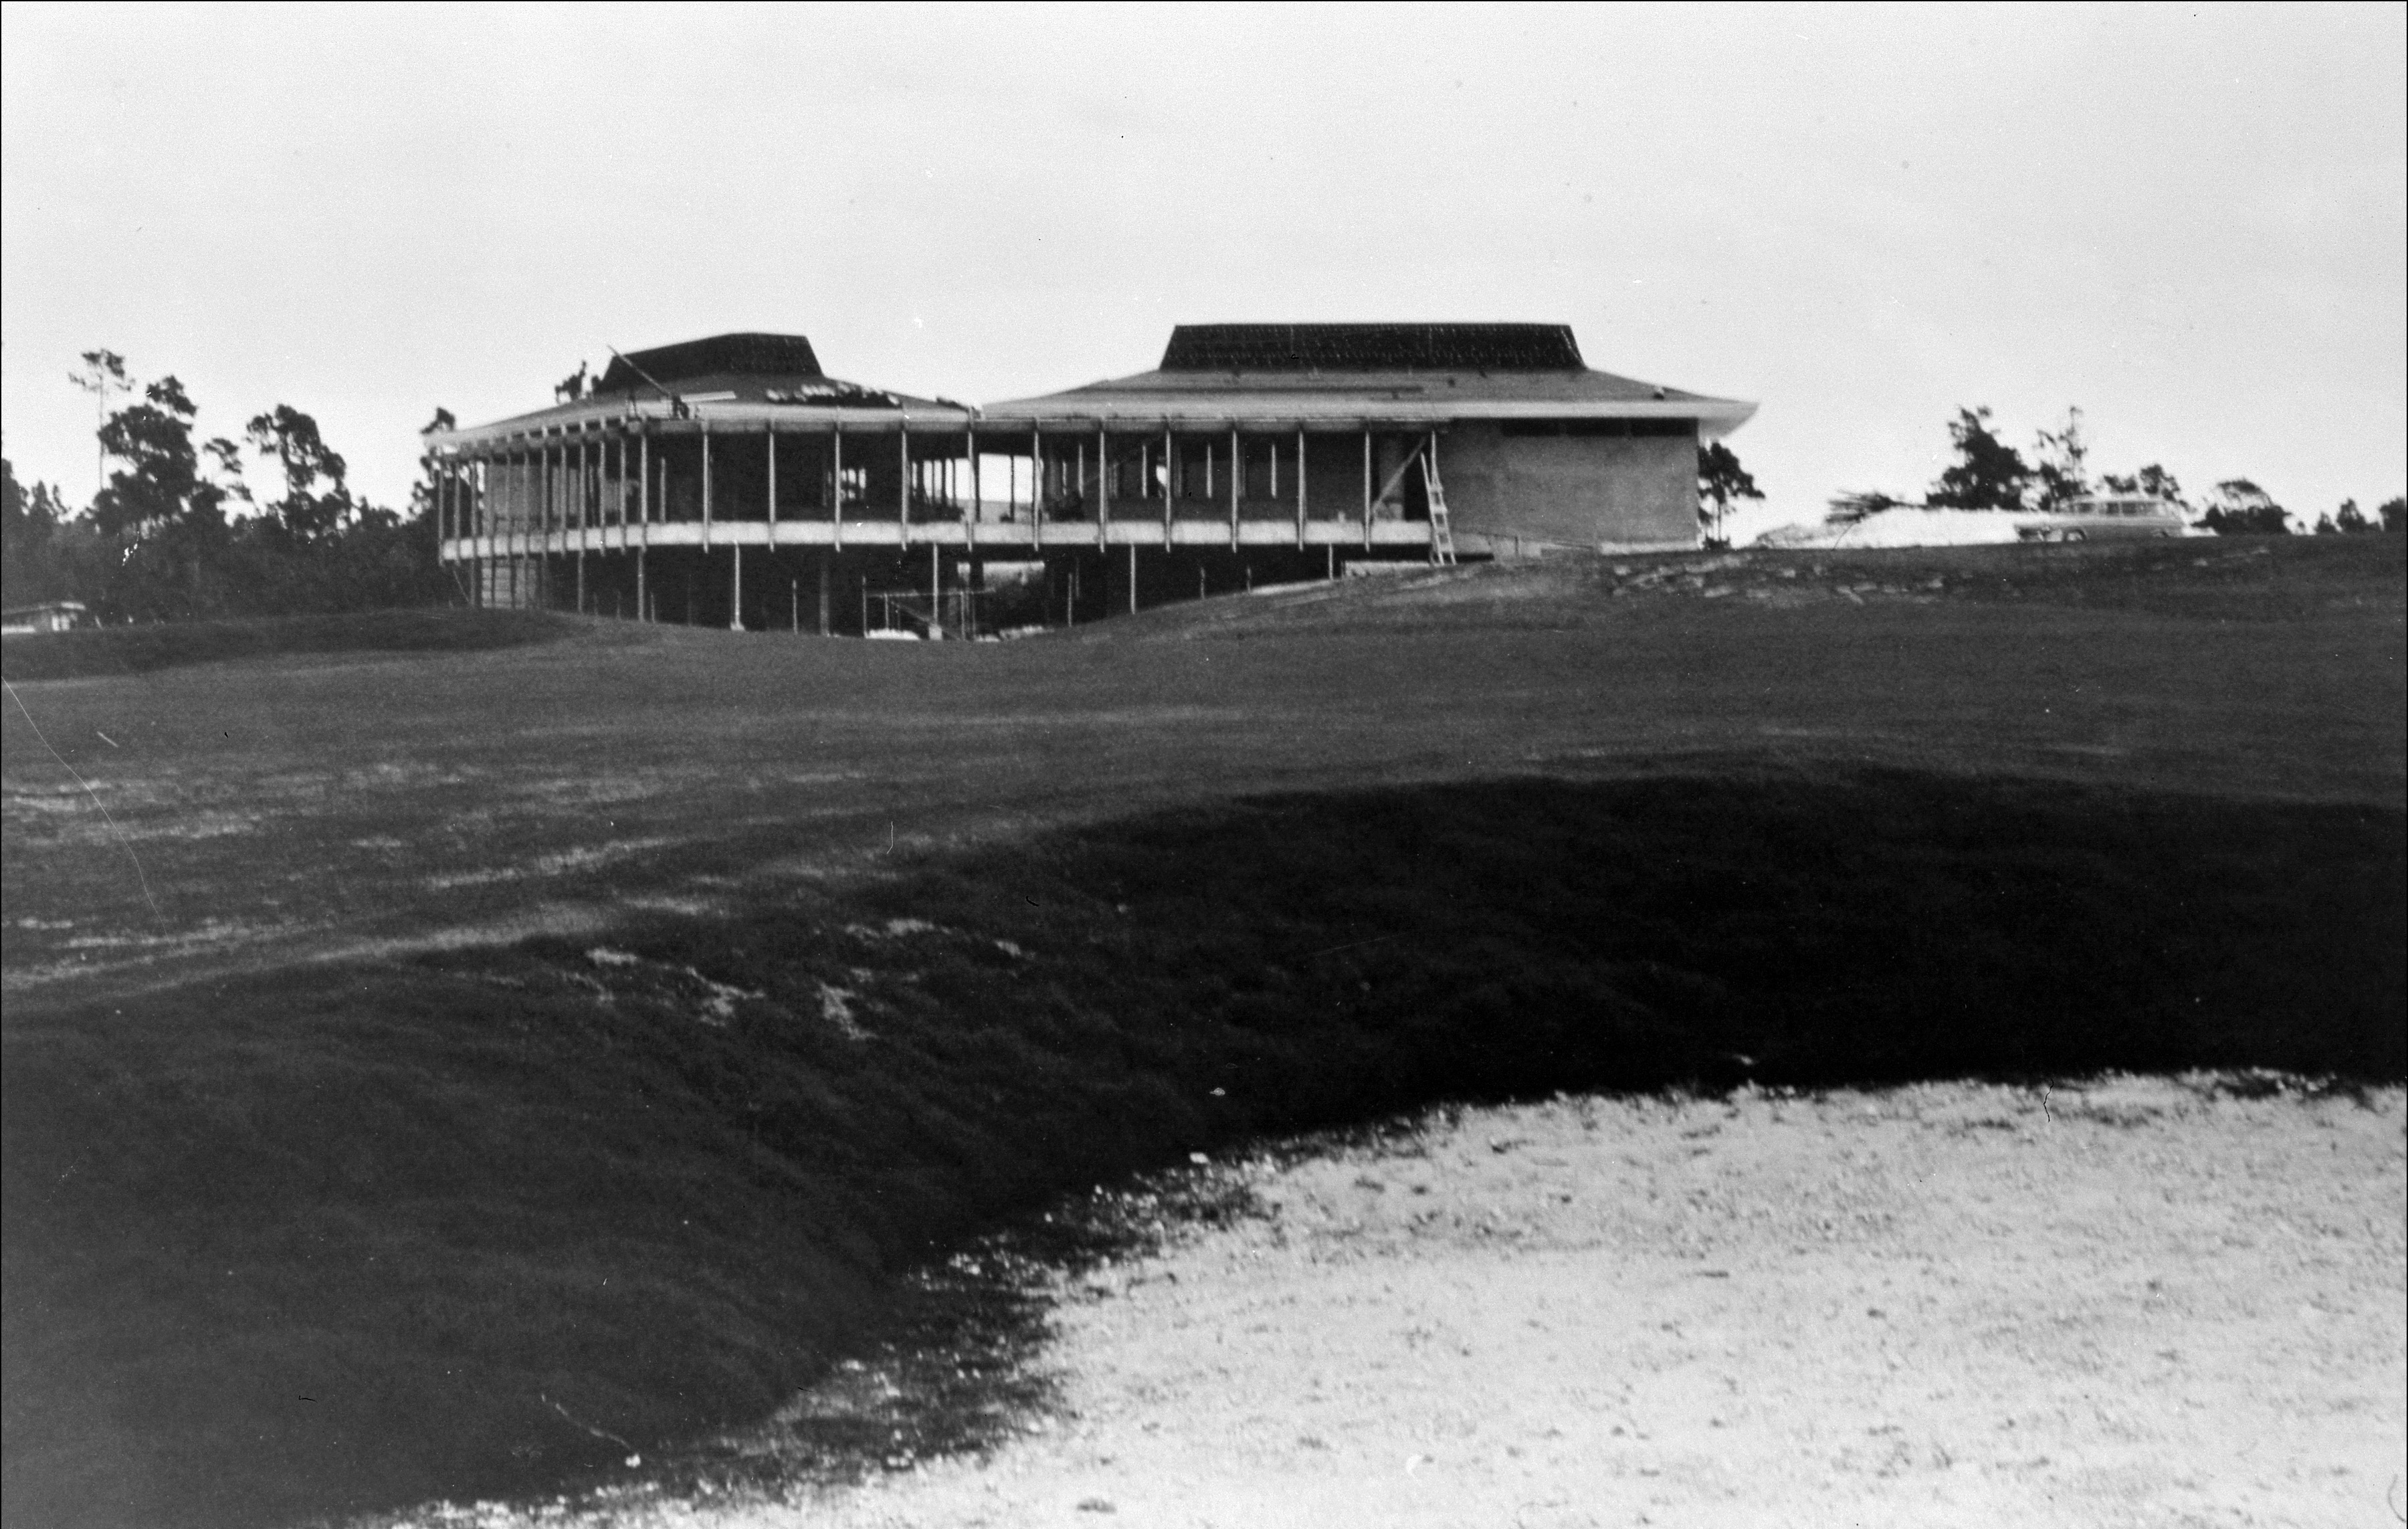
(343, 1171)
(2219, 579)
(2124, 1301)
(350, 1234)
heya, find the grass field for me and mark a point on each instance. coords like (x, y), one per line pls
(428, 1065)
(132, 649)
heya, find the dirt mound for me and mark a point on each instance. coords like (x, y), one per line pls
(2258, 578)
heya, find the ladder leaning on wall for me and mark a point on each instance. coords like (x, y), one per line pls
(1441, 529)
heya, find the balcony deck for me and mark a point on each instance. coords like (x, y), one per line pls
(1002, 536)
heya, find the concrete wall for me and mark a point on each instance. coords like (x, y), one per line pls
(1580, 489)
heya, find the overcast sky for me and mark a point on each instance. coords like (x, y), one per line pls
(2188, 221)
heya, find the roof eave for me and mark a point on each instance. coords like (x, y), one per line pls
(745, 413)
(1714, 416)
(1734, 415)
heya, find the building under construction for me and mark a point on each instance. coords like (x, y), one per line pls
(728, 481)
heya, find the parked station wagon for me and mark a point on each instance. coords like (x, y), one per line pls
(2104, 517)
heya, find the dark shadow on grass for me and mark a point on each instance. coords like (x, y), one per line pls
(341, 1236)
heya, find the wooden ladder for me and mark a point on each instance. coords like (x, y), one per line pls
(1441, 529)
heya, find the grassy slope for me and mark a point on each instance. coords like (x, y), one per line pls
(297, 808)
(2248, 579)
(134, 649)
(443, 1197)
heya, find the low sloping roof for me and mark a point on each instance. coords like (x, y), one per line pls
(1340, 375)
(741, 355)
(737, 379)
(1372, 348)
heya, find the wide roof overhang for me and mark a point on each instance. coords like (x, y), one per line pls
(1419, 400)
(735, 404)
(1158, 400)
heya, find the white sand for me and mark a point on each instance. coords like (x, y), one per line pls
(2134, 1303)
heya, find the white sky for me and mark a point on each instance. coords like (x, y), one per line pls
(2193, 223)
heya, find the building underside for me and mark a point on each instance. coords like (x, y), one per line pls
(729, 482)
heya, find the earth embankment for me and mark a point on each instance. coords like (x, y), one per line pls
(360, 1211)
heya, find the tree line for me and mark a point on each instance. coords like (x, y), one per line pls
(1987, 472)
(176, 534)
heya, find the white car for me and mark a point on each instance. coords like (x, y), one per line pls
(2104, 517)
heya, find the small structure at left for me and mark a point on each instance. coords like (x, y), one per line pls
(725, 482)
(51, 615)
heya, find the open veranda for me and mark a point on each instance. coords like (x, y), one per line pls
(729, 482)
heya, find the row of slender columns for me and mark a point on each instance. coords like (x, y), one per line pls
(1103, 478)
(599, 484)
(530, 482)
(526, 494)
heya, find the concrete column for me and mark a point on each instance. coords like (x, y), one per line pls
(1237, 481)
(580, 522)
(526, 584)
(1366, 486)
(554, 504)
(1037, 485)
(537, 523)
(513, 498)
(971, 510)
(481, 516)
(1299, 489)
(1429, 490)
(643, 519)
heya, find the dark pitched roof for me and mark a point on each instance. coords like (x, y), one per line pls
(1372, 348)
(745, 355)
(1299, 375)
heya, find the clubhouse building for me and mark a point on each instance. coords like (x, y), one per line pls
(713, 482)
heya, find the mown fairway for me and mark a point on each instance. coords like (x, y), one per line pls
(588, 1027)
(292, 809)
